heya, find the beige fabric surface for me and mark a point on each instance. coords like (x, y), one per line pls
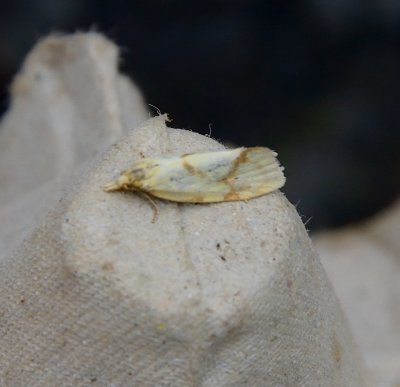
(363, 262)
(228, 294)
(68, 103)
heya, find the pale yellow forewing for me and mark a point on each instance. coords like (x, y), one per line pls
(237, 174)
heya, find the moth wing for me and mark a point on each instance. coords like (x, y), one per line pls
(237, 174)
(259, 173)
(191, 178)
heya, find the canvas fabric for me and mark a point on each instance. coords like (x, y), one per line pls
(93, 293)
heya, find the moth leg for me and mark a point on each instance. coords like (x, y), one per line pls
(152, 203)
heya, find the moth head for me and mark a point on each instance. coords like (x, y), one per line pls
(124, 182)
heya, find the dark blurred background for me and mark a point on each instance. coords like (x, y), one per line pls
(316, 80)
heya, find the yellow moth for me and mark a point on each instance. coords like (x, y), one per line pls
(237, 174)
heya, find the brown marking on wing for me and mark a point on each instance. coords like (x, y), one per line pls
(229, 177)
(191, 169)
(242, 158)
(231, 195)
(139, 173)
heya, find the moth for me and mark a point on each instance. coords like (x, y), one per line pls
(236, 174)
